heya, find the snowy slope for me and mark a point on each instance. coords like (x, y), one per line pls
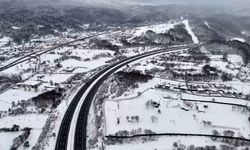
(159, 28)
(194, 38)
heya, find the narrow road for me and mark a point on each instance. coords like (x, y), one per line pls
(72, 133)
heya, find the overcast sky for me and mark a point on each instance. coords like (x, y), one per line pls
(213, 3)
(226, 3)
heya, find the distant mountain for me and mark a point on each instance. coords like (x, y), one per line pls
(23, 19)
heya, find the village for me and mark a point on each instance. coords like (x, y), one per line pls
(188, 90)
(33, 89)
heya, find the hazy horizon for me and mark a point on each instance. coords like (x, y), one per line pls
(113, 3)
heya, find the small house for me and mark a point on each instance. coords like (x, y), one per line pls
(200, 108)
(69, 69)
(30, 85)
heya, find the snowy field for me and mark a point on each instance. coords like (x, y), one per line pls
(30, 120)
(6, 139)
(19, 94)
(4, 105)
(4, 41)
(33, 137)
(15, 95)
(92, 63)
(244, 87)
(19, 69)
(172, 116)
(159, 28)
(34, 121)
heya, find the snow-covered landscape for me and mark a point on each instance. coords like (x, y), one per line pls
(129, 76)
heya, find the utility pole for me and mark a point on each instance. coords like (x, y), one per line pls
(39, 64)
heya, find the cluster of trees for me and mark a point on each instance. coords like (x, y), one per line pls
(128, 80)
(207, 69)
(21, 139)
(180, 146)
(231, 142)
(65, 57)
(194, 76)
(104, 44)
(223, 47)
(3, 58)
(176, 35)
(45, 19)
(134, 76)
(115, 140)
(13, 78)
(14, 128)
(101, 55)
(133, 119)
(193, 58)
(226, 77)
(208, 73)
(134, 132)
(49, 99)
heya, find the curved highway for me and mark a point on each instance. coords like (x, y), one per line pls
(72, 133)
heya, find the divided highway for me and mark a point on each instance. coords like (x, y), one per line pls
(72, 134)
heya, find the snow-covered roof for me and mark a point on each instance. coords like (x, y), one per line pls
(239, 39)
(30, 83)
(200, 107)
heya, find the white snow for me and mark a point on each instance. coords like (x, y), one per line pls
(4, 41)
(235, 59)
(243, 87)
(86, 66)
(158, 28)
(194, 38)
(161, 28)
(206, 23)
(7, 138)
(239, 39)
(30, 82)
(32, 139)
(172, 117)
(56, 78)
(35, 121)
(92, 63)
(59, 112)
(89, 53)
(15, 95)
(18, 69)
(4, 105)
(49, 57)
(216, 61)
(15, 28)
